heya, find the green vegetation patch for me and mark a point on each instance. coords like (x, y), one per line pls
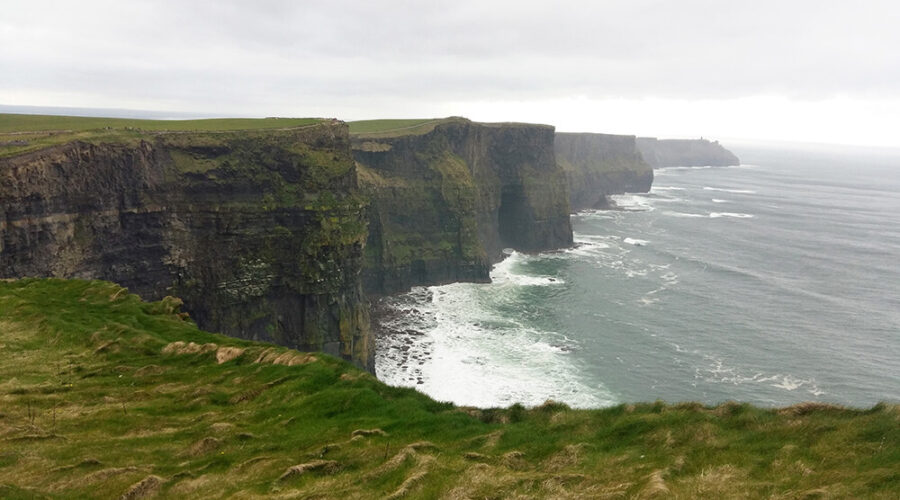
(24, 133)
(397, 128)
(103, 395)
(37, 123)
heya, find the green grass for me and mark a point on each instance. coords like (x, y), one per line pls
(386, 129)
(21, 134)
(396, 128)
(36, 123)
(96, 397)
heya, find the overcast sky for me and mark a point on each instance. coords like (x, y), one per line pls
(821, 71)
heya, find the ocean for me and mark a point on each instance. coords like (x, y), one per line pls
(773, 282)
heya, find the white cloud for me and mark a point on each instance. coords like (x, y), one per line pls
(631, 66)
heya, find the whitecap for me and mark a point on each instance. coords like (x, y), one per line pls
(788, 384)
(724, 190)
(636, 242)
(666, 188)
(631, 203)
(717, 200)
(716, 215)
(505, 272)
(666, 170)
(681, 214)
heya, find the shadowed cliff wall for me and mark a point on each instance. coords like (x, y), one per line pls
(260, 232)
(446, 202)
(598, 165)
(685, 153)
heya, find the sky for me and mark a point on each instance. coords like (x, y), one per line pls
(814, 71)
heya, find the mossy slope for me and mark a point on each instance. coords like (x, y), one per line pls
(105, 396)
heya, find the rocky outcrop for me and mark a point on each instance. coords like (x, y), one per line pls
(685, 152)
(446, 200)
(260, 232)
(598, 165)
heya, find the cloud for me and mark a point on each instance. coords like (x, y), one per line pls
(280, 57)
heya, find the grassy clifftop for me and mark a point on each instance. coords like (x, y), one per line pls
(397, 127)
(23, 133)
(415, 126)
(105, 396)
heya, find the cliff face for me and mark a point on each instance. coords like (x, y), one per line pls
(684, 152)
(260, 232)
(598, 165)
(447, 201)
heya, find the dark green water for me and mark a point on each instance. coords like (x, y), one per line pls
(772, 283)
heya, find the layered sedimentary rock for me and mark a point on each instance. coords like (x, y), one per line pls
(447, 198)
(260, 232)
(685, 152)
(598, 165)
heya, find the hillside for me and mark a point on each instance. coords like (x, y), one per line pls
(105, 396)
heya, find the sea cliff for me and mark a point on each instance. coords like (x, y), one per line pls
(598, 165)
(685, 152)
(260, 232)
(447, 196)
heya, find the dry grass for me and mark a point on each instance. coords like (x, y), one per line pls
(145, 488)
(368, 432)
(321, 466)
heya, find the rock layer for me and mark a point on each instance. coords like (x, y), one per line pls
(598, 165)
(260, 232)
(447, 201)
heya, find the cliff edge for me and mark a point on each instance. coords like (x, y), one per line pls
(598, 165)
(685, 153)
(448, 196)
(260, 232)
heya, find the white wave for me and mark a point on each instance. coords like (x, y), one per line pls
(476, 357)
(632, 273)
(718, 372)
(666, 188)
(716, 215)
(595, 214)
(631, 203)
(670, 278)
(668, 199)
(717, 200)
(636, 242)
(591, 238)
(667, 170)
(724, 190)
(505, 272)
(682, 214)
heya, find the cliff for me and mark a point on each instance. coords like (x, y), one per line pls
(447, 196)
(260, 232)
(598, 165)
(685, 152)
